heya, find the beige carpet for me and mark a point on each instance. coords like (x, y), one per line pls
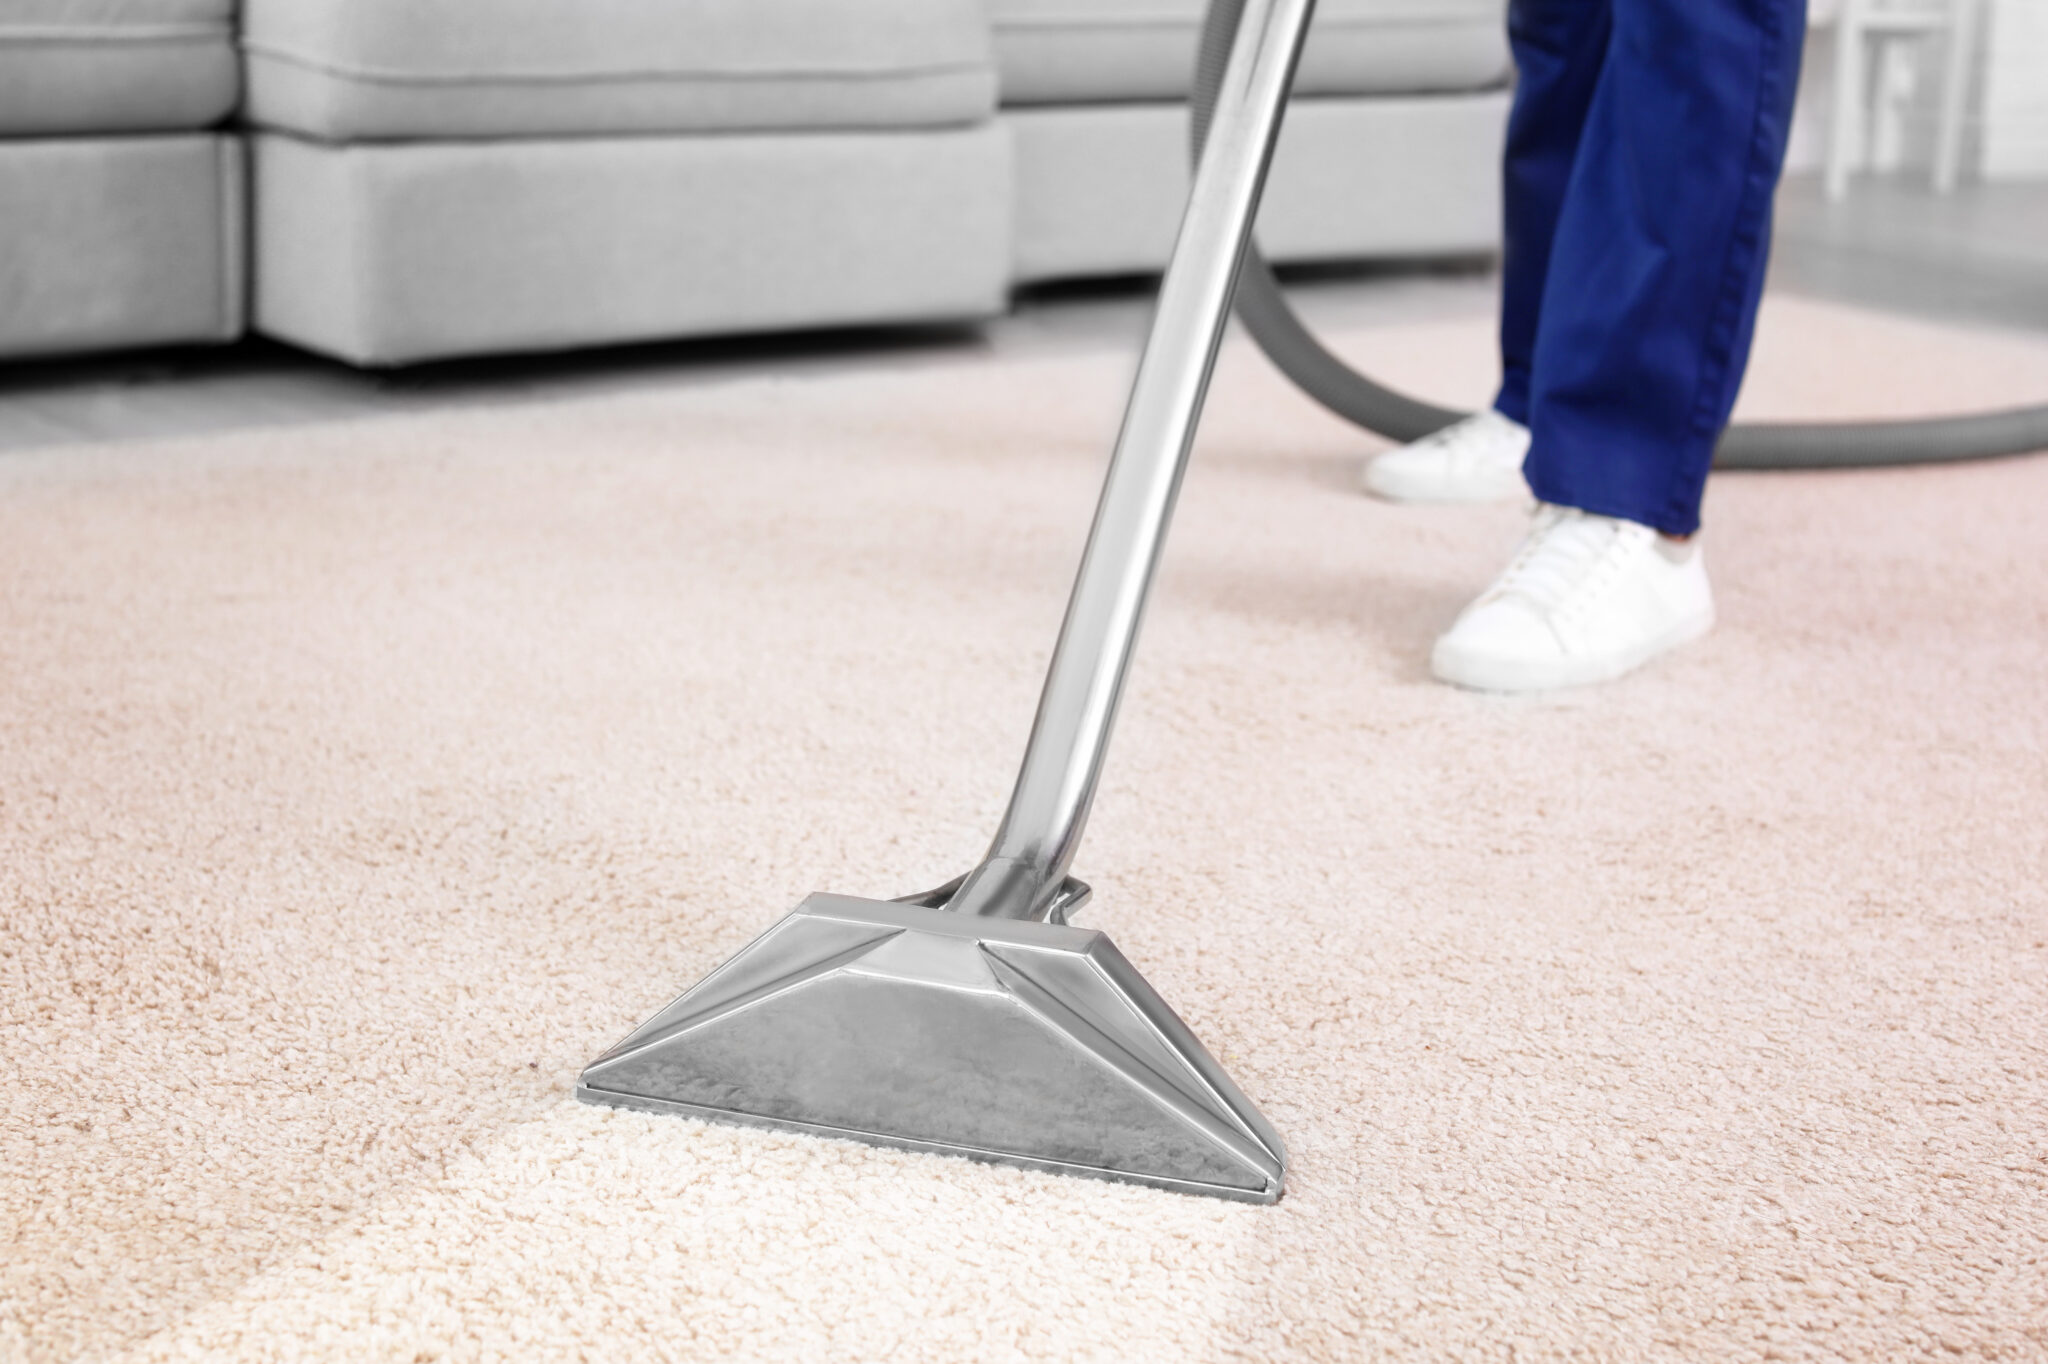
(359, 783)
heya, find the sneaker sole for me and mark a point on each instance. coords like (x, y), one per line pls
(1482, 672)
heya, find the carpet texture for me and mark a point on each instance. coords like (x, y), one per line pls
(359, 783)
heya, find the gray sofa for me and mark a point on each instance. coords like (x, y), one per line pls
(435, 178)
(122, 207)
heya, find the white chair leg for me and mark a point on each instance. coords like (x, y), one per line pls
(1845, 122)
(1955, 88)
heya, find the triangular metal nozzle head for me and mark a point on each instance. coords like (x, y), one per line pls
(1032, 1044)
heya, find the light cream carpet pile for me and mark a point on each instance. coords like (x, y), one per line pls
(359, 783)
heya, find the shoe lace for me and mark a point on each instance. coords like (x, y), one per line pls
(1568, 556)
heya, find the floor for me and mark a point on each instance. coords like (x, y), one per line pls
(1979, 255)
(360, 781)
(1733, 1064)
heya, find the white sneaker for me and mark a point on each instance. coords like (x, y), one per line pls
(1478, 459)
(1585, 599)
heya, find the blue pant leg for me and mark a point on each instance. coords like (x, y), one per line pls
(1558, 46)
(1659, 256)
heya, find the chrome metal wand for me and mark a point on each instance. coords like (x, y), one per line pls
(1024, 875)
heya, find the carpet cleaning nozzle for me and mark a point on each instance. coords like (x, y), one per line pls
(974, 1020)
(1034, 1044)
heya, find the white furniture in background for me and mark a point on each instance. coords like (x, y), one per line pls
(468, 177)
(1865, 26)
(121, 197)
(471, 177)
(2016, 91)
(1391, 146)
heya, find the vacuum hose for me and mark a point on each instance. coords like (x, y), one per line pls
(1270, 319)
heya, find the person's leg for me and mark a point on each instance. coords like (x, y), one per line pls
(1559, 48)
(1658, 258)
(1646, 313)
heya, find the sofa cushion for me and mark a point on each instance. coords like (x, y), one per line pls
(112, 66)
(384, 253)
(1080, 51)
(121, 241)
(1101, 187)
(344, 70)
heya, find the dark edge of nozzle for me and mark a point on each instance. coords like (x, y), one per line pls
(604, 1098)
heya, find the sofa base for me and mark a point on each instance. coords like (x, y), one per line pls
(386, 253)
(114, 242)
(1100, 187)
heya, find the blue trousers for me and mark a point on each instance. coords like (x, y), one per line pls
(1642, 155)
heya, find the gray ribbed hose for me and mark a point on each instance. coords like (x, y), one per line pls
(1266, 314)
